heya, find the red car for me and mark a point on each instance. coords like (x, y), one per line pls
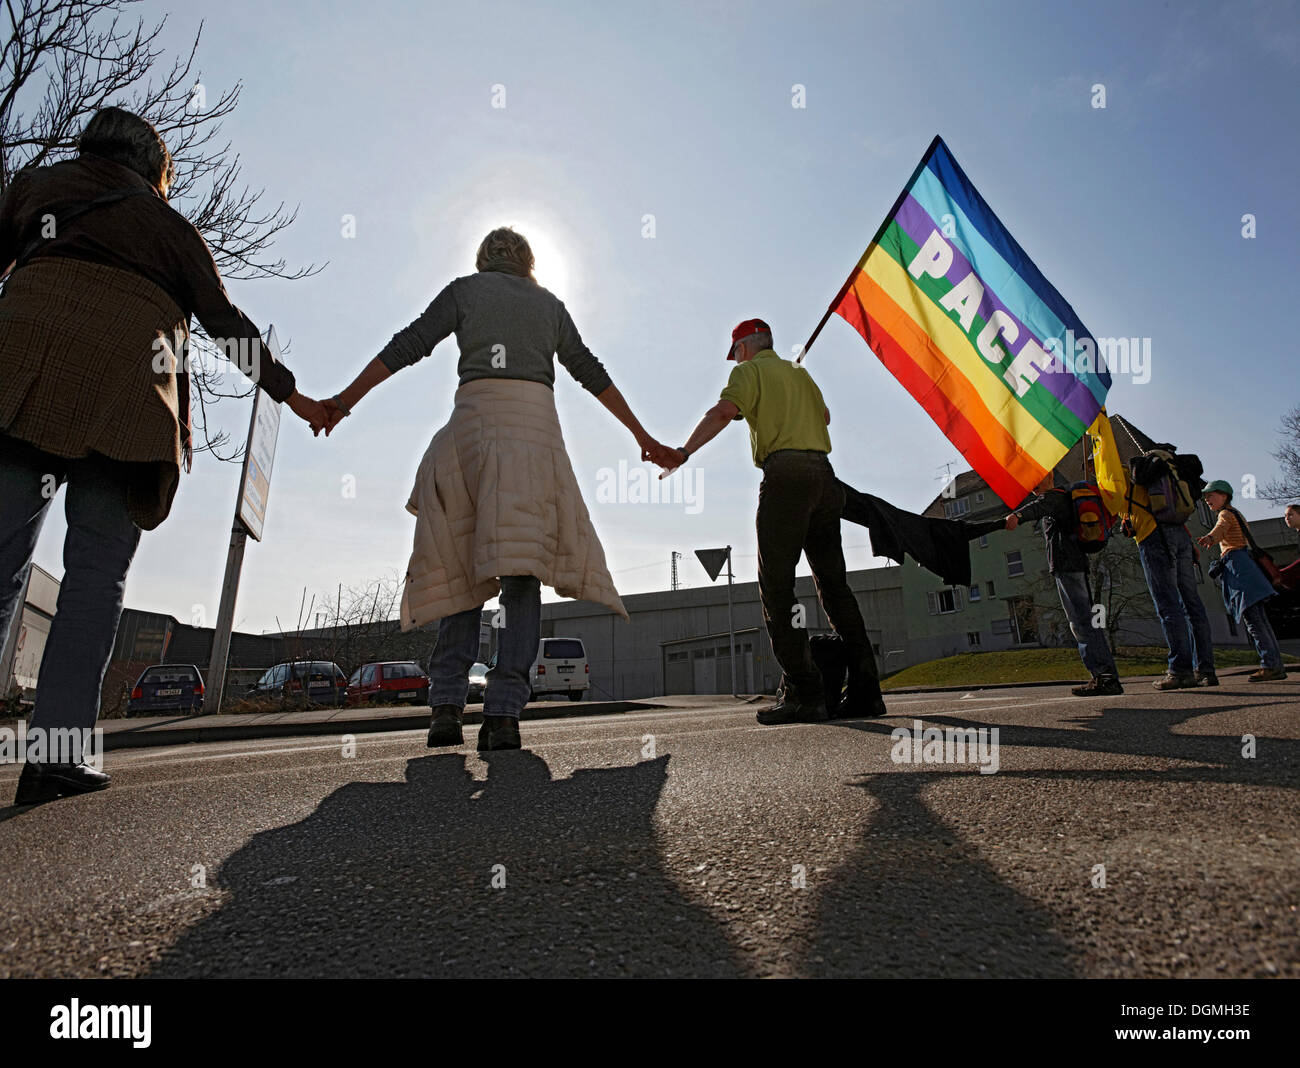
(390, 682)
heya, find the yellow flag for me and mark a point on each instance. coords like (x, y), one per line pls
(1112, 479)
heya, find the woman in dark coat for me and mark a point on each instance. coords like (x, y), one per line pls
(102, 279)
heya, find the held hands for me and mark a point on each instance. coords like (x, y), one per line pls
(319, 415)
(1013, 521)
(311, 412)
(660, 454)
(333, 413)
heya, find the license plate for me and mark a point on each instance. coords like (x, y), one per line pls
(318, 685)
(409, 693)
(166, 693)
(566, 669)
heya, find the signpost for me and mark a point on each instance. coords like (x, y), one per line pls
(713, 559)
(250, 516)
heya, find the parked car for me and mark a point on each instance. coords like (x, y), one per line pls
(317, 682)
(477, 682)
(167, 688)
(388, 682)
(561, 667)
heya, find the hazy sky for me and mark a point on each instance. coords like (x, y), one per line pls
(384, 112)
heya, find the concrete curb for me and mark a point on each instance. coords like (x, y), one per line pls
(366, 722)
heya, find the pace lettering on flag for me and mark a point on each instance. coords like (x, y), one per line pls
(961, 316)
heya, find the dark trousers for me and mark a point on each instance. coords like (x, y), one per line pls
(799, 510)
(97, 552)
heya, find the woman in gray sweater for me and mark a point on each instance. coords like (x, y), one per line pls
(509, 330)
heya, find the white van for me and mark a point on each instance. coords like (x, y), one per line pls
(561, 667)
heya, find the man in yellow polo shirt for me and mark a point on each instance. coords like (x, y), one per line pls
(799, 509)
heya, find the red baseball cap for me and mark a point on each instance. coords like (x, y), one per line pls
(746, 329)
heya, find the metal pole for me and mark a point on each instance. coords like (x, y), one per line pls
(731, 628)
(212, 694)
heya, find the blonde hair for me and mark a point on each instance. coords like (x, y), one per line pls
(504, 248)
(131, 141)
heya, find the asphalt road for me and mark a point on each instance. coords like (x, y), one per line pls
(669, 843)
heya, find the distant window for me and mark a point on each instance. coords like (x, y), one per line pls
(979, 499)
(954, 509)
(368, 674)
(402, 671)
(984, 541)
(564, 649)
(1015, 566)
(974, 594)
(989, 586)
(942, 602)
(972, 637)
(356, 677)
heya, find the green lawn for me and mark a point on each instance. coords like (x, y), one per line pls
(1045, 665)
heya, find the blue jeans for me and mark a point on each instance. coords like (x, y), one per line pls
(97, 553)
(1169, 565)
(1261, 633)
(1076, 600)
(508, 684)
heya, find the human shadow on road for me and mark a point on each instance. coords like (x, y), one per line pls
(915, 898)
(444, 875)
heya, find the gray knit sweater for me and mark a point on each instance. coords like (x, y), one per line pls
(506, 327)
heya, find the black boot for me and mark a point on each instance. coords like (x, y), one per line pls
(45, 782)
(794, 707)
(1099, 686)
(445, 726)
(862, 695)
(830, 656)
(498, 732)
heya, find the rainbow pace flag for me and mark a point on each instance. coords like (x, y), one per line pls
(967, 323)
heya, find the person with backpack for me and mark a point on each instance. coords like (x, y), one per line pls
(1245, 586)
(1162, 495)
(1075, 524)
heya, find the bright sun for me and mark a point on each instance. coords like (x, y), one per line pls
(549, 269)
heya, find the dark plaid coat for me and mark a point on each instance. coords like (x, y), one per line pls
(87, 364)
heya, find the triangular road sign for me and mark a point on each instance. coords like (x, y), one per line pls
(712, 559)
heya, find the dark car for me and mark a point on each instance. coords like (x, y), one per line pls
(388, 683)
(317, 682)
(167, 688)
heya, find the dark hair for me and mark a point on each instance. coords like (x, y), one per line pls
(1291, 508)
(131, 141)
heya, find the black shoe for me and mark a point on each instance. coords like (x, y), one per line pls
(793, 709)
(1206, 678)
(498, 732)
(45, 782)
(444, 727)
(862, 702)
(1099, 686)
